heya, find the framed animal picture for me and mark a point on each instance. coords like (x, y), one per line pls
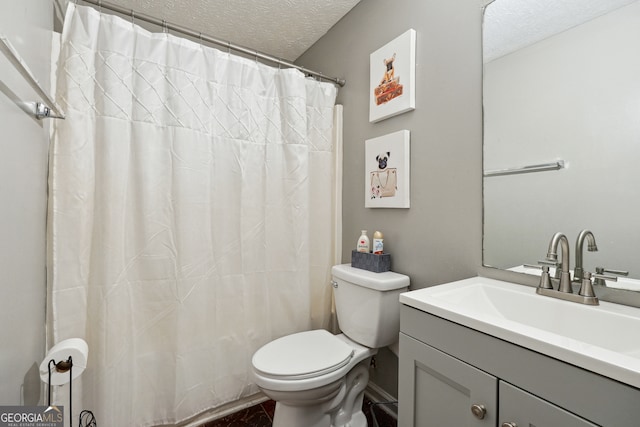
(392, 78)
(387, 162)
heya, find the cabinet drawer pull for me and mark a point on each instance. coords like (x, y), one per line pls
(509, 425)
(479, 411)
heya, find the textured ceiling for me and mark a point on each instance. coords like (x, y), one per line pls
(282, 28)
(512, 24)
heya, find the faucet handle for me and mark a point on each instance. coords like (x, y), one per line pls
(601, 270)
(586, 288)
(545, 278)
(539, 267)
(599, 277)
(557, 265)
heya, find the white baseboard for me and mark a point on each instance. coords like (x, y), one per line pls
(376, 393)
(224, 410)
(373, 392)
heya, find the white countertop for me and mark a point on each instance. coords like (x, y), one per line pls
(604, 339)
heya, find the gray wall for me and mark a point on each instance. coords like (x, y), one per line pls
(439, 239)
(23, 192)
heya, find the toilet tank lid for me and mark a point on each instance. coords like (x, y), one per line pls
(387, 281)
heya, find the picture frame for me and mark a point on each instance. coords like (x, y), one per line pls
(392, 78)
(387, 171)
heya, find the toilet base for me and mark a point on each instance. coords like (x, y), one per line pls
(342, 407)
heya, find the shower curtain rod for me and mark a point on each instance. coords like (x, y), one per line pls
(38, 109)
(180, 29)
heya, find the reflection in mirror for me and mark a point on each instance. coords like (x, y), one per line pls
(562, 84)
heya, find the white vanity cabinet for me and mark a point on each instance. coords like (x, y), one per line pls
(446, 369)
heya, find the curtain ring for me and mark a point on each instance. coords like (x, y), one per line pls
(165, 29)
(200, 38)
(99, 6)
(229, 47)
(133, 17)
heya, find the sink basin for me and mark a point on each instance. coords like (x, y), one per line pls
(603, 339)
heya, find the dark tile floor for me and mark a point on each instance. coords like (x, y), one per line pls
(256, 416)
(262, 416)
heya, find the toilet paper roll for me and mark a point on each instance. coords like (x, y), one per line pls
(77, 348)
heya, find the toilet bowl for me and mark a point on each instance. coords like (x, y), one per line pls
(306, 374)
(318, 379)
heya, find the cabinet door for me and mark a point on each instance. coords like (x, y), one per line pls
(437, 390)
(522, 409)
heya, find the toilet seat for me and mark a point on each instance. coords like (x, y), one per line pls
(302, 355)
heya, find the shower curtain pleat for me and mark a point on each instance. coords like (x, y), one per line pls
(192, 217)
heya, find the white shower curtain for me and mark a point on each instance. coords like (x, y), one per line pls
(191, 220)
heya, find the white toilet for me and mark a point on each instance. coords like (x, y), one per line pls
(318, 379)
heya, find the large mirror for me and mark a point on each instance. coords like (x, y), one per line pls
(562, 89)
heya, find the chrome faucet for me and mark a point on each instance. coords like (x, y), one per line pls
(578, 271)
(585, 294)
(552, 255)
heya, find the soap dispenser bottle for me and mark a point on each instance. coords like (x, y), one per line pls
(378, 242)
(363, 243)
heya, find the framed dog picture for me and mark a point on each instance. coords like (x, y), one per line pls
(392, 78)
(387, 164)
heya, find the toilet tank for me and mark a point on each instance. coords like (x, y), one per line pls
(367, 304)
